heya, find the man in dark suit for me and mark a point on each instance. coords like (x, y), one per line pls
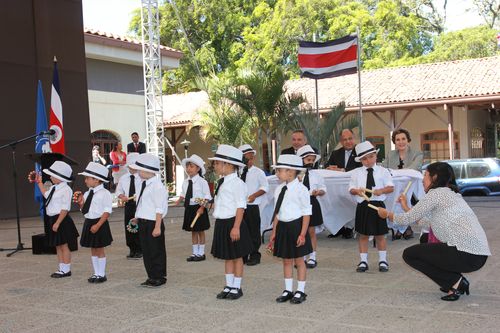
(342, 159)
(135, 146)
(299, 140)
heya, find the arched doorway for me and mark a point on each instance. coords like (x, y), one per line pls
(105, 140)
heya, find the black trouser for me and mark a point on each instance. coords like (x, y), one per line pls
(442, 263)
(132, 240)
(153, 249)
(252, 219)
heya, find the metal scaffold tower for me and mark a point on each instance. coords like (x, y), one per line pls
(151, 60)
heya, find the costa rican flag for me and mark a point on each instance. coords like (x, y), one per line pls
(56, 115)
(333, 58)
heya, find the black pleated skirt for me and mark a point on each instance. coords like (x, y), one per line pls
(285, 243)
(202, 224)
(317, 215)
(66, 233)
(101, 238)
(367, 220)
(222, 245)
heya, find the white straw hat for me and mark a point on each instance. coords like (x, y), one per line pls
(147, 162)
(247, 149)
(289, 161)
(228, 154)
(307, 150)
(131, 158)
(60, 170)
(196, 160)
(363, 149)
(96, 170)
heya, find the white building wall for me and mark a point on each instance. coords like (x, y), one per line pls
(119, 113)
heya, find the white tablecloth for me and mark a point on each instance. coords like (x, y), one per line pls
(338, 205)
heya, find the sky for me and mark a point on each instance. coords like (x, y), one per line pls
(114, 15)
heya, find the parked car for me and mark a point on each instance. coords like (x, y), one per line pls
(476, 176)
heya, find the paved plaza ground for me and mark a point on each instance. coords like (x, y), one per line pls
(340, 300)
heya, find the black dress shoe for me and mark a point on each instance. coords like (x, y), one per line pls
(383, 266)
(311, 263)
(224, 292)
(157, 282)
(463, 286)
(408, 234)
(286, 296)
(234, 295)
(253, 261)
(199, 258)
(92, 278)
(131, 255)
(60, 274)
(297, 300)
(191, 258)
(362, 267)
(146, 283)
(347, 234)
(397, 235)
(101, 279)
(137, 255)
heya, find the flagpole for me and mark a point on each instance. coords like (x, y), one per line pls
(360, 111)
(317, 115)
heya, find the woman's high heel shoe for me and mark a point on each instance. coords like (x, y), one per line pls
(455, 295)
(463, 288)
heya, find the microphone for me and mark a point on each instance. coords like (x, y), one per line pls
(49, 132)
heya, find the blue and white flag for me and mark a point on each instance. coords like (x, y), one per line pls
(42, 144)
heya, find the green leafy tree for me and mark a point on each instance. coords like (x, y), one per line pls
(327, 131)
(222, 121)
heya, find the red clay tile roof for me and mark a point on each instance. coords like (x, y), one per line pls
(435, 83)
(126, 42)
(410, 84)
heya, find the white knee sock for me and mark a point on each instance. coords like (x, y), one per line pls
(382, 256)
(301, 285)
(201, 249)
(289, 284)
(102, 266)
(65, 268)
(364, 257)
(195, 249)
(312, 255)
(229, 280)
(237, 282)
(95, 264)
(61, 267)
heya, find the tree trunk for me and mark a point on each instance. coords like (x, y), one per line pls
(268, 141)
(260, 148)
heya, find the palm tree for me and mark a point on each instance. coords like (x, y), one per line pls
(222, 121)
(327, 132)
(260, 92)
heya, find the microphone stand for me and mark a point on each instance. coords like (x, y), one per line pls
(13, 145)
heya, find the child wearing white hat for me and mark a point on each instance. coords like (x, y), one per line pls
(195, 192)
(152, 206)
(316, 186)
(291, 217)
(127, 188)
(370, 184)
(62, 230)
(257, 186)
(96, 206)
(231, 240)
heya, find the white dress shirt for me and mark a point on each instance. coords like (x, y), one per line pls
(154, 200)
(61, 199)
(231, 196)
(124, 184)
(382, 178)
(451, 219)
(256, 180)
(316, 182)
(346, 157)
(102, 202)
(296, 202)
(200, 189)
